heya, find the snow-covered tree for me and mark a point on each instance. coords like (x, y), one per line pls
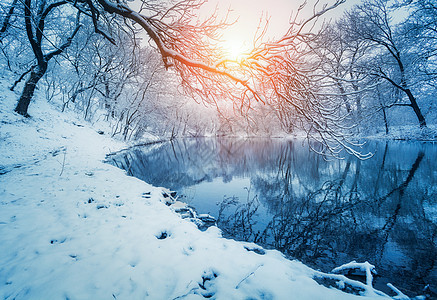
(391, 55)
(279, 73)
(43, 46)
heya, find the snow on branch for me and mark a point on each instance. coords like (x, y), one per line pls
(367, 288)
(365, 267)
(276, 73)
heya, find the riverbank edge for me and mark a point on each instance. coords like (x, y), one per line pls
(64, 231)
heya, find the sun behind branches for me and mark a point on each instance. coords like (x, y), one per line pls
(234, 49)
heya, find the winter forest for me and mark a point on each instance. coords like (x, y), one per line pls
(191, 149)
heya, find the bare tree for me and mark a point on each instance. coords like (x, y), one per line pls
(182, 45)
(279, 72)
(391, 61)
(339, 54)
(35, 25)
(421, 29)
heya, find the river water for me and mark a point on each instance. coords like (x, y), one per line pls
(325, 213)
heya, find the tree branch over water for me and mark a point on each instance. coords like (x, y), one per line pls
(279, 74)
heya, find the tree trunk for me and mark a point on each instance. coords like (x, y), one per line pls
(385, 119)
(416, 108)
(29, 88)
(358, 101)
(344, 96)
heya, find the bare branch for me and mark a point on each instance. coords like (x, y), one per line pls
(7, 18)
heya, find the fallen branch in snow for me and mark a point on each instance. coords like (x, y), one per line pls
(354, 283)
(365, 267)
(248, 275)
(399, 295)
(367, 287)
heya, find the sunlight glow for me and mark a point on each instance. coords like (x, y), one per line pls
(235, 49)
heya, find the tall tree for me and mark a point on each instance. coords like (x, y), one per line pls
(182, 43)
(35, 25)
(391, 61)
(421, 29)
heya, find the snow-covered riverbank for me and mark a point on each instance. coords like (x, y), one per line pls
(73, 227)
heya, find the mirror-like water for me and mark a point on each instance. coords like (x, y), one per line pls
(281, 195)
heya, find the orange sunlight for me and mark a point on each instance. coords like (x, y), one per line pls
(234, 49)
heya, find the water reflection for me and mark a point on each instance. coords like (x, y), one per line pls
(325, 213)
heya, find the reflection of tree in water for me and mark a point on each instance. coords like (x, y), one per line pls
(241, 223)
(325, 213)
(300, 227)
(337, 223)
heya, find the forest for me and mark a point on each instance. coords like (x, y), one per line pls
(371, 69)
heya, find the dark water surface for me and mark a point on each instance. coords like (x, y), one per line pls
(325, 213)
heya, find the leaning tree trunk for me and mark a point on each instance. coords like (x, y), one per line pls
(416, 108)
(29, 88)
(35, 33)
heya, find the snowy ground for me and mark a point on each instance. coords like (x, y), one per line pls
(408, 132)
(73, 227)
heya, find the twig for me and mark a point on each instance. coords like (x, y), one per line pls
(248, 275)
(63, 164)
